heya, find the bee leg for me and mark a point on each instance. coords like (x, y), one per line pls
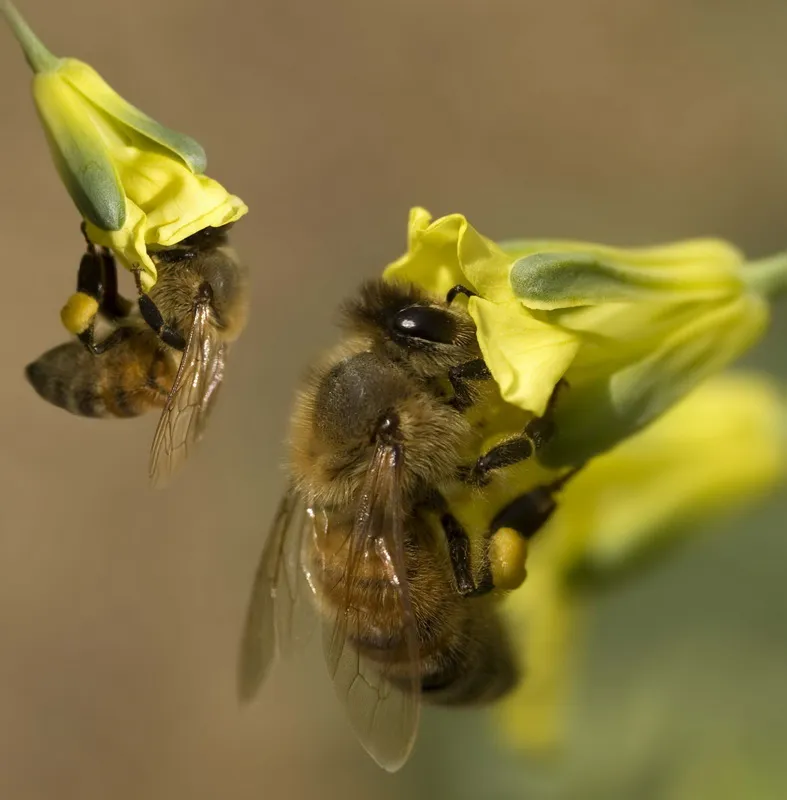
(529, 512)
(97, 278)
(151, 314)
(514, 526)
(460, 375)
(88, 339)
(461, 563)
(536, 434)
(526, 515)
(457, 290)
(114, 305)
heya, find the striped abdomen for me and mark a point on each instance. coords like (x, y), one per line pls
(129, 379)
(464, 653)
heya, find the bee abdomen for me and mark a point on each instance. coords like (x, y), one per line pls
(469, 665)
(65, 390)
(477, 669)
(71, 378)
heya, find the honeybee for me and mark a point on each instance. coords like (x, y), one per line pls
(365, 536)
(195, 310)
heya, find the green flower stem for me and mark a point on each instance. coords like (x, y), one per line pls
(768, 276)
(39, 58)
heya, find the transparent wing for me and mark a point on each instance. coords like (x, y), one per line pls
(191, 399)
(280, 612)
(370, 638)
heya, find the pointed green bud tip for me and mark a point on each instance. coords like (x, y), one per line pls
(39, 58)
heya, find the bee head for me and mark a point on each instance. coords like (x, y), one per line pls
(226, 277)
(423, 333)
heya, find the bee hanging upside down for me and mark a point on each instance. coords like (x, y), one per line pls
(169, 353)
(366, 536)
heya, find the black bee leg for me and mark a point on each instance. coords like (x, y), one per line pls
(461, 560)
(97, 278)
(528, 513)
(459, 376)
(512, 451)
(114, 306)
(457, 290)
(536, 434)
(151, 314)
(87, 338)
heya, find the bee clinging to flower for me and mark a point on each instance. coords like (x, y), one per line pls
(193, 312)
(147, 204)
(367, 535)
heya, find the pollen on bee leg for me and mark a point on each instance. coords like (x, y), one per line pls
(508, 558)
(79, 312)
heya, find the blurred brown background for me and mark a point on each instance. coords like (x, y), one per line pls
(120, 608)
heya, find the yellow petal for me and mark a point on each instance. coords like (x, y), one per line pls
(484, 264)
(526, 357)
(166, 204)
(431, 261)
(128, 244)
(449, 252)
(417, 224)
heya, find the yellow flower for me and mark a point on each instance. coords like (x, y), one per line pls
(631, 330)
(137, 184)
(721, 447)
(527, 356)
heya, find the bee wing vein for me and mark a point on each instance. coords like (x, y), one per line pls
(280, 612)
(383, 708)
(191, 398)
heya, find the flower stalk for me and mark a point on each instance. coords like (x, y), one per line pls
(767, 276)
(36, 54)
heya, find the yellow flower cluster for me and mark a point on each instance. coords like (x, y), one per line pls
(639, 335)
(630, 330)
(138, 185)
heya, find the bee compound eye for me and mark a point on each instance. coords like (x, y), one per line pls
(425, 322)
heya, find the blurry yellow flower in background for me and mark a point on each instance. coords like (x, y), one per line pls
(723, 446)
(631, 330)
(137, 184)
